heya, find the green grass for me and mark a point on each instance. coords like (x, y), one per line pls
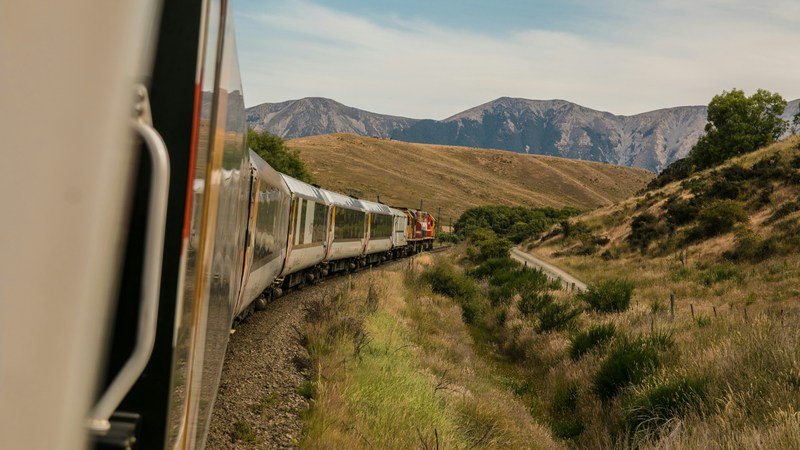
(243, 431)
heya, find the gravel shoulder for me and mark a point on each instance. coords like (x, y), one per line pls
(265, 365)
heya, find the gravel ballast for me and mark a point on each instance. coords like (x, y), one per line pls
(258, 405)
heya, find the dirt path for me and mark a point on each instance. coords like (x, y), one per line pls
(551, 270)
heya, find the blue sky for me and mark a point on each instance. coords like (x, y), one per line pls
(436, 58)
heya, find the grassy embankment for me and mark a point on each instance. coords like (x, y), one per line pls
(724, 371)
(393, 368)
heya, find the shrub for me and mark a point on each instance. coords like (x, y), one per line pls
(718, 217)
(443, 280)
(678, 170)
(628, 362)
(680, 212)
(494, 248)
(719, 273)
(611, 295)
(556, 316)
(448, 238)
(532, 302)
(583, 342)
(488, 267)
(655, 406)
(645, 228)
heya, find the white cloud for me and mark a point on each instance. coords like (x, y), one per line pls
(676, 53)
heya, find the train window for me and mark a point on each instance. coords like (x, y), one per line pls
(265, 248)
(320, 219)
(380, 226)
(300, 236)
(349, 224)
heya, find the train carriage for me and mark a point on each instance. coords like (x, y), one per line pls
(347, 234)
(307, 245)
(267, 232)
(382, 238)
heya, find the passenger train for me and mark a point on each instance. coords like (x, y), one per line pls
(137, 225)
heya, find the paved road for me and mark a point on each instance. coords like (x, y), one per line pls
(549, 269)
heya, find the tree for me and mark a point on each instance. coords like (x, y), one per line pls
(738, 124)
(273, 150)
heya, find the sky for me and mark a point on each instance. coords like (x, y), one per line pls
(431, 59)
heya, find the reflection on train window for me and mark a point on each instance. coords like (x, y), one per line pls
(349, 224)
(380, 226)
(265, 248)
(300, 220)
(320, 219)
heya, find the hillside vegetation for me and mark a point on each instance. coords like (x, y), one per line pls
(457, 178)
(704, 351)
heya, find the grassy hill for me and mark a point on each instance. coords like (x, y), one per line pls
(723, 371)
(457, 178)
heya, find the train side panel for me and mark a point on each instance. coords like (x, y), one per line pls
(348, 230)
(308, 228)
(267, 230)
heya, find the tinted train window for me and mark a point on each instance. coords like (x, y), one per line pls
(349, 224)
(320, 219)
(380, 226)
(264, 247)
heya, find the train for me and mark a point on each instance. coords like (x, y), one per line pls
(138, 226)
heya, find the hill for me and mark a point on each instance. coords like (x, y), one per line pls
(713, 264)
(456, 178)
(650, 140)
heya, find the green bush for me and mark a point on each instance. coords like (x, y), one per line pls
(628, 362)
(274, 151)
(447, 238)
(488, 267)
(680, 212)
(718, 217)
(657, 405)
(719, 273)
(613, 295)
(645, 228)
(443, 280)
(556, 316)
(532, 302)
(494, 248)
(583, 342)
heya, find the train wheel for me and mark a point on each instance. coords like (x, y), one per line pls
(261, 303)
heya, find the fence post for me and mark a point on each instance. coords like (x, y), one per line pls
(672, 305)
(691, 306)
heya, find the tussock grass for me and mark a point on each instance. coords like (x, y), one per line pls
(723, 372)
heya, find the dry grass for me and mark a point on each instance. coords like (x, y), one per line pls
(734, 330)
(457, 178)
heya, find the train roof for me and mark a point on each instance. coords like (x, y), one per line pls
(381, 208)
(343, 201)
(304, 189)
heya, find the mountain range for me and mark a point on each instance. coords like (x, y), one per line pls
(650, 140)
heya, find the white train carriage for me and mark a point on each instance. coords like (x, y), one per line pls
(267, 232)
(400, 224)
(382, 234)
(307, 244)
(347, 235)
